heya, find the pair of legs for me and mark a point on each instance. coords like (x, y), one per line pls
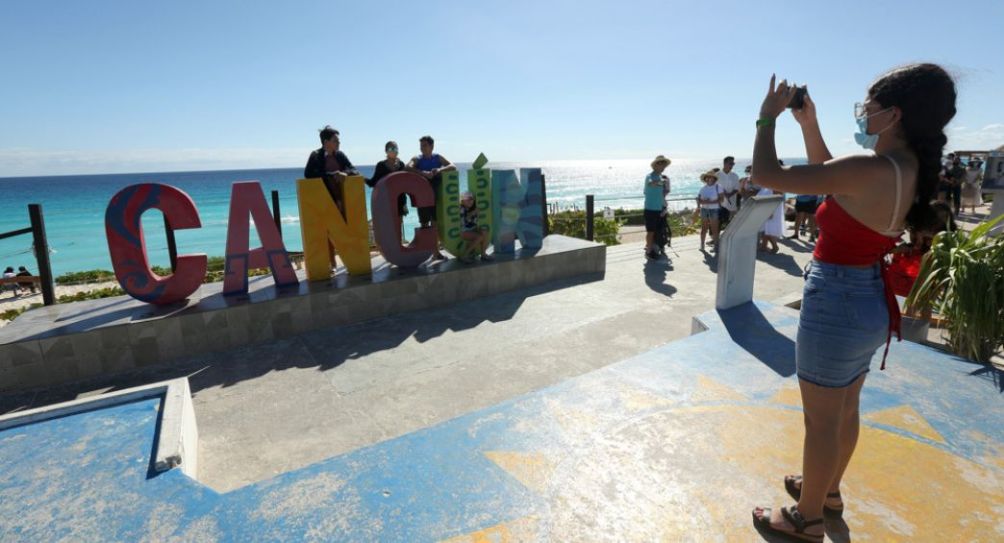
(832, 425)
(953, 192)
(709, 224)
(653, 220)
(477, 242)
(427, 218)
(765, 239)
(806, 220)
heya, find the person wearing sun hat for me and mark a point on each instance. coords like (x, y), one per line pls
(709, 200)
(655, 200)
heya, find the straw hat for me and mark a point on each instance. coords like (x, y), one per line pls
(709, 174)
(661, 159)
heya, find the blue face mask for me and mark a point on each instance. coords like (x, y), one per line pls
(864, 139)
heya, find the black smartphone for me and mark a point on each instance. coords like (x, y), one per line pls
(798, 100)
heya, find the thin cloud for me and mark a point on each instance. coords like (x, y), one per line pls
(989, 136)
(30, 162)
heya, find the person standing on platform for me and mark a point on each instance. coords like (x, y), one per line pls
(747, 189)
(848, 308)
(709, 201)
(430, 166)
(330, 164)
(773, 228)
(728, 182)
(805, 216)
(655, 190)
(386, 167)
(972, 187)
(951, 184)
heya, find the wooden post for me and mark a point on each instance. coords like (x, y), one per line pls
(42, 253)
(276, 216)
(589, 217)
(172, 245)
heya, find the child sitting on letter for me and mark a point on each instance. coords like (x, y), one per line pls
(475, 238)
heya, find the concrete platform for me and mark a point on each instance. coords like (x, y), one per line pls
(675, 444)
(71, 342)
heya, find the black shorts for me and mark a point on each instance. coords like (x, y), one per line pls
(652, 219)
(805, 207)
(428, 214)
(724, 215)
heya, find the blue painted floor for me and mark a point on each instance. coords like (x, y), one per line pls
(676, 444)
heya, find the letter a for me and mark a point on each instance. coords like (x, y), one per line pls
(247, 198)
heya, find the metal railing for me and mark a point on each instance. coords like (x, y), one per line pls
(40, 246)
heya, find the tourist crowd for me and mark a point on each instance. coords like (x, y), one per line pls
(331, 165)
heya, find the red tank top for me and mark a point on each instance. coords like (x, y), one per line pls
(845, 241)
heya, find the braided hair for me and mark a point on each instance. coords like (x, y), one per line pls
(925, 94)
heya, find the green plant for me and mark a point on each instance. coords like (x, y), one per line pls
(573, 224)
(962, 278)
(12, 314)
(90, 295)
(89, 276)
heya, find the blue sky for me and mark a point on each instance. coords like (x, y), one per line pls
(104, 86)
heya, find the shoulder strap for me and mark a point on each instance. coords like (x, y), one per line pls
(899, 193)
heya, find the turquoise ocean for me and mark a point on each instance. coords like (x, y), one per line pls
(74, 205)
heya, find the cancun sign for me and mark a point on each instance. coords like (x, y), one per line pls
(508, 209)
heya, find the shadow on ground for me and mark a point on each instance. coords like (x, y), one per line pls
(781, 261)
(750, 329)
(323, 349)
(655, 276)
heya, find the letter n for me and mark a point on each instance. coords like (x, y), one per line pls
(517, 210)
(321, 223)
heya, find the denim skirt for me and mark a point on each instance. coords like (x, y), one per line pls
(844, 320)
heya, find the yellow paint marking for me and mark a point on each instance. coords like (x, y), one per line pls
(709, 390)
(906, 418)
(636, 399)
(533, 470)
(522, 529)
(788, 395)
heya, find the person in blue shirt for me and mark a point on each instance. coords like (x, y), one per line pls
(430, 166)
(655, 200)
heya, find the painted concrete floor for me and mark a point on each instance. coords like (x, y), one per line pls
(675, 444)
(282, 405)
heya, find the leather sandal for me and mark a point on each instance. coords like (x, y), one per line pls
(796, 493)
(795, 518)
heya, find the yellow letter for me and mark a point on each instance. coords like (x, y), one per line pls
(321, 224)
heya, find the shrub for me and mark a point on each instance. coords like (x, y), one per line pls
(573, 224)
(91, 295)
(89, 276)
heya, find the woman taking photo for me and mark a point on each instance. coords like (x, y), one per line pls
(847, 312)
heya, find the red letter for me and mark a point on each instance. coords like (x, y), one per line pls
(246, 197)
(128, 248)
(385, 229)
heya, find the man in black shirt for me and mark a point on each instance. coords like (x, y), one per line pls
(331, 165)
(952, 177)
